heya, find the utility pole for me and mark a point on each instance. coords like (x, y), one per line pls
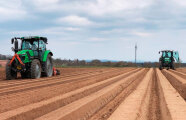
(135, 52)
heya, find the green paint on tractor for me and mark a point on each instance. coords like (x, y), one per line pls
(23, 54)
(31, 59)
(167, 59)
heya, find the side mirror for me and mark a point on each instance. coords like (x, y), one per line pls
(12, 40)
(16, 46)
(13, 49)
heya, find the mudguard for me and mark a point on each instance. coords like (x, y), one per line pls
(46, 54)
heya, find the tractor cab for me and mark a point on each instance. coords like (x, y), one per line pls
(166, 56)
(167, 59)
(33, 43)
(31, 47)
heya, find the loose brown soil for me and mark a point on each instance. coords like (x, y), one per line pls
(96, 94)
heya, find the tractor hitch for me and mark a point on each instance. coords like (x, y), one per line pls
(18, 58)
(55, 71)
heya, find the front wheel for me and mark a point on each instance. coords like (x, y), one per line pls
(172, 67)
(35, 69)
(160, 67)
(10, 74)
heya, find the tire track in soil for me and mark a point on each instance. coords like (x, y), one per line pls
(176, 81)
(136, 105)
(154, 106)
(86, 107)
(13, 101)
(42, 84)
(10, 83)
(50, 106)
(173, 106)
(109, 108)
(147, 95)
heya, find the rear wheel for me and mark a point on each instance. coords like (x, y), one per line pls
(35, 69)
(10, 74)
(48, 69)
(160, 67)
(172, 67)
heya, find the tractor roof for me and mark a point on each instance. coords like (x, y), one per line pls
(167, 51)
(33, 38)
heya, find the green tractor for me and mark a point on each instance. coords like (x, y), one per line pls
(31, 59)
(167, 59)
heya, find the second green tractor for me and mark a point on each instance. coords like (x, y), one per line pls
(168, 59)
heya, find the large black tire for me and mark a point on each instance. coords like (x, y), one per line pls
(35, 69)
(172, 67)
(160, 67)
(48, 68)
(10, 74)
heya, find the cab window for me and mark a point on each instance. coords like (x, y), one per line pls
(35, 45)
(42, 45)
(26, 45)
(166, 54)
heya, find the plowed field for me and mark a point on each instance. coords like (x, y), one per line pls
(96, 94)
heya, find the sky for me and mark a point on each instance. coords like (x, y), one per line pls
(97, 29)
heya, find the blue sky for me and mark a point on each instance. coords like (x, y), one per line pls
(97, 29)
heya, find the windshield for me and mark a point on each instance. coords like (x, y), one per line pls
(27, 45)
(166, 54)
(33, 45)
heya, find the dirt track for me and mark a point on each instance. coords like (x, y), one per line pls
(96, 93)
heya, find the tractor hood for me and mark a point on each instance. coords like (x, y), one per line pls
(24, 55)
(24, 52)
(167, 60)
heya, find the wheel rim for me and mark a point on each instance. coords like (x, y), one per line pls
(49, 67)
(38, 71)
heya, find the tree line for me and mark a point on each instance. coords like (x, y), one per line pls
(5, 57)
(98, 63)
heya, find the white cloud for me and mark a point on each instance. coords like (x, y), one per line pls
(75, 20)
(11, 10)
(118, 30)
(45, 2)
(127, 32)
(46, 31)
(142, 34)
(180, 2)
(91, 7)
(46, 5)
(97, 39)
(102, 7)
(72, 29)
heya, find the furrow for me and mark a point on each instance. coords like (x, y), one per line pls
(136, 104)
(50, 104)
(86, 107)
(57, 81)
(10, 83)
(174, 105)
(12, 101)
(177, 81)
